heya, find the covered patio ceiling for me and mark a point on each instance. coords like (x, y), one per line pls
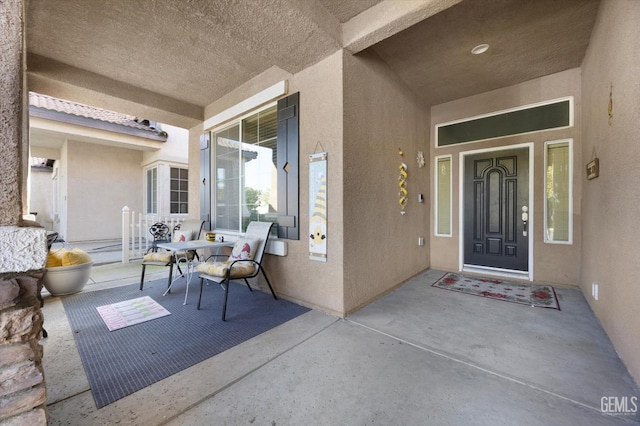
(167, 60)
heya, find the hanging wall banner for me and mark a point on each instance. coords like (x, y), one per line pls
(318, 207)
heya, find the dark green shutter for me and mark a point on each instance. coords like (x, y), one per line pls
(205, 180)
(288, 167)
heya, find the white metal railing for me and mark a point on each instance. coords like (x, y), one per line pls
(136, 239)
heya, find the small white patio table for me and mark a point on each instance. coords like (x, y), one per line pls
(180, 250)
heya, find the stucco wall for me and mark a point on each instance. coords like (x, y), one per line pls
(100, 181)
(175, 149)
(194, 173)
(612, 201)
(371, 247)
(381, 115)
(13, 143)
(41, 198)
(321, 120)
(553, 263)
(315, 284)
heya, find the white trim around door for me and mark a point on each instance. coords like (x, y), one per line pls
(488, 270)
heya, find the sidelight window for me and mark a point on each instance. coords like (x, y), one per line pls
(558, 188)
(443, 196)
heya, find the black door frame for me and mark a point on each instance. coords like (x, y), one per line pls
(530, 224)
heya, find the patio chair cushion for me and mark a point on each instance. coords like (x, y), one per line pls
(160, 256)
(244, 249)
(64, 257)
(54, 258)
(219, 269)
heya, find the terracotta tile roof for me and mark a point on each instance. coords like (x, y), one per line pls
(67, 107)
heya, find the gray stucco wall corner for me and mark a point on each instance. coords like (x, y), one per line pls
(610, 201)
(381, 245)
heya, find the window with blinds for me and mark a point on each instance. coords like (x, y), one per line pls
(245, 174)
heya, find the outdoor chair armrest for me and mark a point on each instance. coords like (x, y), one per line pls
(257, 270)
(244, 260)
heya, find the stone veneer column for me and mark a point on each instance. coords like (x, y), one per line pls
(23, 248)
(23, 392)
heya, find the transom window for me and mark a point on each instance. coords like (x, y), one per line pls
(245, 171)
(526, 119)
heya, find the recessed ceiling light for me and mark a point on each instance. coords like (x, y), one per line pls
(479, 49)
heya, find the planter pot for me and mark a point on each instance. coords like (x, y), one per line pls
(62, 280)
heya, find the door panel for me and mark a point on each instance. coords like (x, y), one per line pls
(496, 187)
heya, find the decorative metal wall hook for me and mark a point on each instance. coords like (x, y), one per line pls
(319, 144)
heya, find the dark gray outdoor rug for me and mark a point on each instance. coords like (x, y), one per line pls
(123, 361)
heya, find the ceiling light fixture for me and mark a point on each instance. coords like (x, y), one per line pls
(479, 49)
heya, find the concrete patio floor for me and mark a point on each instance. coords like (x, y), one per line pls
(417, 356)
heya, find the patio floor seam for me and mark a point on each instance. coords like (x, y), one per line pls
(477, 367)
(250, 372)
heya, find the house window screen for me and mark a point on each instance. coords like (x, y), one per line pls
(443, 197)
(507, 123)
(179, 190)
(558, 186)
(246, 187)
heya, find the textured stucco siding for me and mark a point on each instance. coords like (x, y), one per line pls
(381, 116)
(612, 201)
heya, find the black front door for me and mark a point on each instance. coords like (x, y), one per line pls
(496, 194)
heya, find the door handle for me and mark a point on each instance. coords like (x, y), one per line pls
(525, 219)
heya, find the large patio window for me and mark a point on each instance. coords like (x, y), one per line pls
(245, 173)
(152, 190)
(558, 186)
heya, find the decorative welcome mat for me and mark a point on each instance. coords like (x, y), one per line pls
(130, 312)
(541, 296)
